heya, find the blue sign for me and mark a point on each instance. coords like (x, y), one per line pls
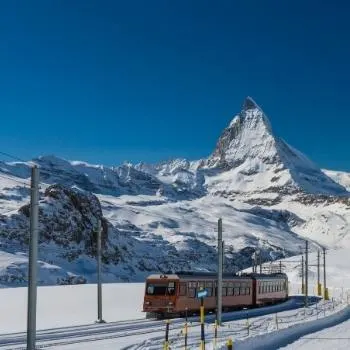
(202, 293)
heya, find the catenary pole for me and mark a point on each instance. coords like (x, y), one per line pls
(99, 279)
(219, 283)
(318, 274)
(33, 258)
(325, 291)
(302, 275)
(306, 272)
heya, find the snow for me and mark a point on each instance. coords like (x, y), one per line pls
(60, 306)
(340, 177)
(164, 216)
(74, 308)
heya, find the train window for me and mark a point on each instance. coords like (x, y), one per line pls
(224, 284)
(171, 288)
(224, 291)
(242, 291)
(156, 289)
(183, 289)
(259, 289)
(192, 292)
(209, 289)
(229, 291)
(236, 291)
(201, 285)
(209, 284)
(247, 291)
(230, 284)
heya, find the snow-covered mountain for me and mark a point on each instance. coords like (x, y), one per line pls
(163, 216)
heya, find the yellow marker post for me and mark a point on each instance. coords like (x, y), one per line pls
(166, 343)
(326, 294)
(202, 324)
(215, 333)
(319, 289)
(201, 294)
(229, 344)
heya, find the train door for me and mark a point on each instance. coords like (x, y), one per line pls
(254, 292)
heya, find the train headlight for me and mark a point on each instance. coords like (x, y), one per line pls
(170, 303)
(147, 303)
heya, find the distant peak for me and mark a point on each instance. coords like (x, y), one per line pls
(249, 103)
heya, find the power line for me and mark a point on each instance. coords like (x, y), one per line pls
(13, 157)
(11, 179)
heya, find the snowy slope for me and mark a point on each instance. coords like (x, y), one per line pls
(340, 177)
(160, 217)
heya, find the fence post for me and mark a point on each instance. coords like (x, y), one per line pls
(248, 326)
(166, 343)
(276, 318)
(215, 333)
(186, 330)
(229, 344)
(202, 324)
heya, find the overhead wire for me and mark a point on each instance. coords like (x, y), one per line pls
(13, 157)
(14, 180)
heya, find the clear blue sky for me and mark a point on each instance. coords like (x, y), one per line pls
(109, 81)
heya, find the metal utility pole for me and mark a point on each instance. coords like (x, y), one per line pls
(325, 294)
(318, 274)
(99, 284)
(223, 256)
(33, 258)
(302, 274)
(260, 264)
(219, 284)
(306, 272)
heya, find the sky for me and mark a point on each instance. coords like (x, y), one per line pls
(114, 81)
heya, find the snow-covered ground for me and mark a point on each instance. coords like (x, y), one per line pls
(61, 306)
(74, 308)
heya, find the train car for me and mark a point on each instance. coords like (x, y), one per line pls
(270, 289)
(171, 295)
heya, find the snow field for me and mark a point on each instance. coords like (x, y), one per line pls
(60, 306)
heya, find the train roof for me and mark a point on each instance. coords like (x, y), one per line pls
(213, 275)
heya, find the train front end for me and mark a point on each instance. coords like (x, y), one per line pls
(160, 296)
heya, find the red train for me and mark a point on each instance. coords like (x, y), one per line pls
(172, 295)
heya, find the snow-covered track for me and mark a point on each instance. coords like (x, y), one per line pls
(57, 337)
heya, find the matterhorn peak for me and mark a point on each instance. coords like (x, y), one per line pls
(249, 103)
(249, 135)
(254, 153)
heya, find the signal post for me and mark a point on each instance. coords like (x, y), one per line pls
(202, 294)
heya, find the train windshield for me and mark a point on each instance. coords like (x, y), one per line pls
(160, 288)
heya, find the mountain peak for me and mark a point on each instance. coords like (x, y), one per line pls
(249, 147)
(249, 103)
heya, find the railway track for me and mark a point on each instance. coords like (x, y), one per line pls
(58, 337)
